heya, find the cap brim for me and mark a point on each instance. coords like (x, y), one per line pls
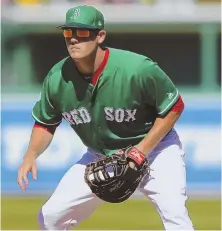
(77, 25)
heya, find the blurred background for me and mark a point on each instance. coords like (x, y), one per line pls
(183, 36)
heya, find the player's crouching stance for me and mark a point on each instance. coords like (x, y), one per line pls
(123, 107)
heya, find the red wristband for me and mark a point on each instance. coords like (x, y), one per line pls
(136, 155)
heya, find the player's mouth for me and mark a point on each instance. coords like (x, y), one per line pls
(73, 48)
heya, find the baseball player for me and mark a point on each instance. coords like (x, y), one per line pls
(112, 99)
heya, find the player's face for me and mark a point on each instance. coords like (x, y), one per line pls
(81, 42)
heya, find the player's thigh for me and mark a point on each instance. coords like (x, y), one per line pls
(168, 174)
(71, 190)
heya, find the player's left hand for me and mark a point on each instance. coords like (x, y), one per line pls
(115, 178)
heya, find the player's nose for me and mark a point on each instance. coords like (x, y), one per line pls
(74, 41)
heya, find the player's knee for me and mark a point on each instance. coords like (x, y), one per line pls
(47, 218)
(172, 205)
(41, 221)
(55, 218)
(173, 212)
(175, 218)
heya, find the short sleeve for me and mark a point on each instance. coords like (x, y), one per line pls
(44, 111)
(157, 88)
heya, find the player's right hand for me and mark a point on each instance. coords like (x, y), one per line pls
(28, 165)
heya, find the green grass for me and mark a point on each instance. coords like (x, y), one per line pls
(21, 214)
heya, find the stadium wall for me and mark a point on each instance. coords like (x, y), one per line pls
(199, 129)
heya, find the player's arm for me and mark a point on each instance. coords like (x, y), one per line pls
(161, 127)
(47, 119)
(40, 139)
(160, 92)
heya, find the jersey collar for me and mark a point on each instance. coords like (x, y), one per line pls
(101, 67)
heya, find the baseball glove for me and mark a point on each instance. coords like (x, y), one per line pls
(115, 178)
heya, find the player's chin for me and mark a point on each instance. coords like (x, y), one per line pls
(76, 55)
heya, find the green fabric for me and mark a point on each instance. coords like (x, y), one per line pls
(84, 17)
(162, 93)
(118, 111)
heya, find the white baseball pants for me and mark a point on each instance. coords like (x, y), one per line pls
(73, 201)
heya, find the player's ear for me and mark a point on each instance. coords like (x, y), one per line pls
(101, 36)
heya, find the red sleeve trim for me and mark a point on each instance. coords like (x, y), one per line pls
(179, 105)
(50, 129)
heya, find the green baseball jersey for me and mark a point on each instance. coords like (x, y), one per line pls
(118, 111)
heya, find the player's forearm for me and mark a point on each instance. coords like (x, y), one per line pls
(39, 142)
(160, 128)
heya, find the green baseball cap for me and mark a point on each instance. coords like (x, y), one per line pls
(87, 17)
